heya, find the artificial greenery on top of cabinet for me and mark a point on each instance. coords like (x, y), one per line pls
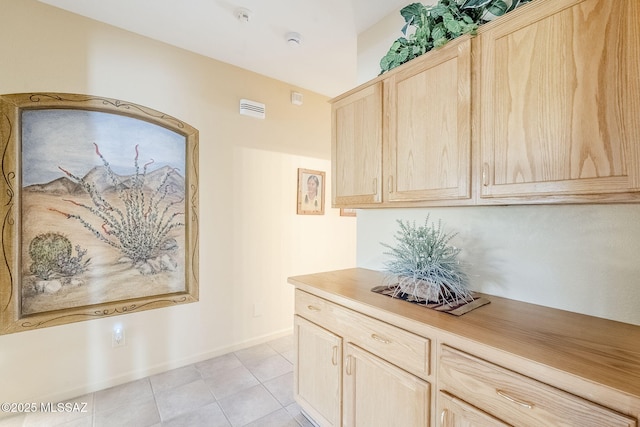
(429, 27)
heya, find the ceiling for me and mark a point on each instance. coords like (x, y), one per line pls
(324, 62)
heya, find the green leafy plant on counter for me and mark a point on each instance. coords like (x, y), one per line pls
(426, 266)
(429, 27)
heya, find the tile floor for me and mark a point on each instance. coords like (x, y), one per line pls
(250, 387)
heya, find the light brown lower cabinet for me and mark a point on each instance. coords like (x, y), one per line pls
(371, 361)
(337, 383)
(318, 372)
(340, 381)
(377, 393)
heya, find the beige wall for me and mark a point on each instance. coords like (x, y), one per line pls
(578, 258)
(251, 239)
(374, 43)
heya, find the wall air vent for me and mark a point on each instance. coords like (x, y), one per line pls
(252, 108)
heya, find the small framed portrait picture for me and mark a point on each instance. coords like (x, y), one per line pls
(310, 192)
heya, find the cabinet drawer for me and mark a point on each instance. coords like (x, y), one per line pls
(316, 309)
(517, 399)
(402, 348)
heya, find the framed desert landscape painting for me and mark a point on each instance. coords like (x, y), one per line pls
(99, 209)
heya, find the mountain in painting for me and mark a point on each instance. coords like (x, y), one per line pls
(99, 177)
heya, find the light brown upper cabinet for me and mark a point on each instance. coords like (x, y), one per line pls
(545, 100)
(428, 150)
(559, 103)
(404, 138)
(356, 147)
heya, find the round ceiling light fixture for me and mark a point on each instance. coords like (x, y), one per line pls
(293, 39)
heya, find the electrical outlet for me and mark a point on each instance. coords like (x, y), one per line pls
(118, 337)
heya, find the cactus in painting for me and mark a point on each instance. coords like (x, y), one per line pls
(51, 256)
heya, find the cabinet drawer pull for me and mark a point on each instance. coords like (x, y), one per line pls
(312, 308)
(443, 416)
(514, 400)
(390, 184)
(380, 339)
(375, 186)
(334, 356)
(348, 367)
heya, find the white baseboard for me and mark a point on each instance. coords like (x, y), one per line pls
(159, 368)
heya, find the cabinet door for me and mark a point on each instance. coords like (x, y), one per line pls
(457, 413)
(318, 372)
(357, 147)
(377, 393)
(429, 135)
(559, 105)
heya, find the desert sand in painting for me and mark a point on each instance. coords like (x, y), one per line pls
(106, 279)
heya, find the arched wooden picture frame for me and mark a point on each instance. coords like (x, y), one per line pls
(98, 209)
